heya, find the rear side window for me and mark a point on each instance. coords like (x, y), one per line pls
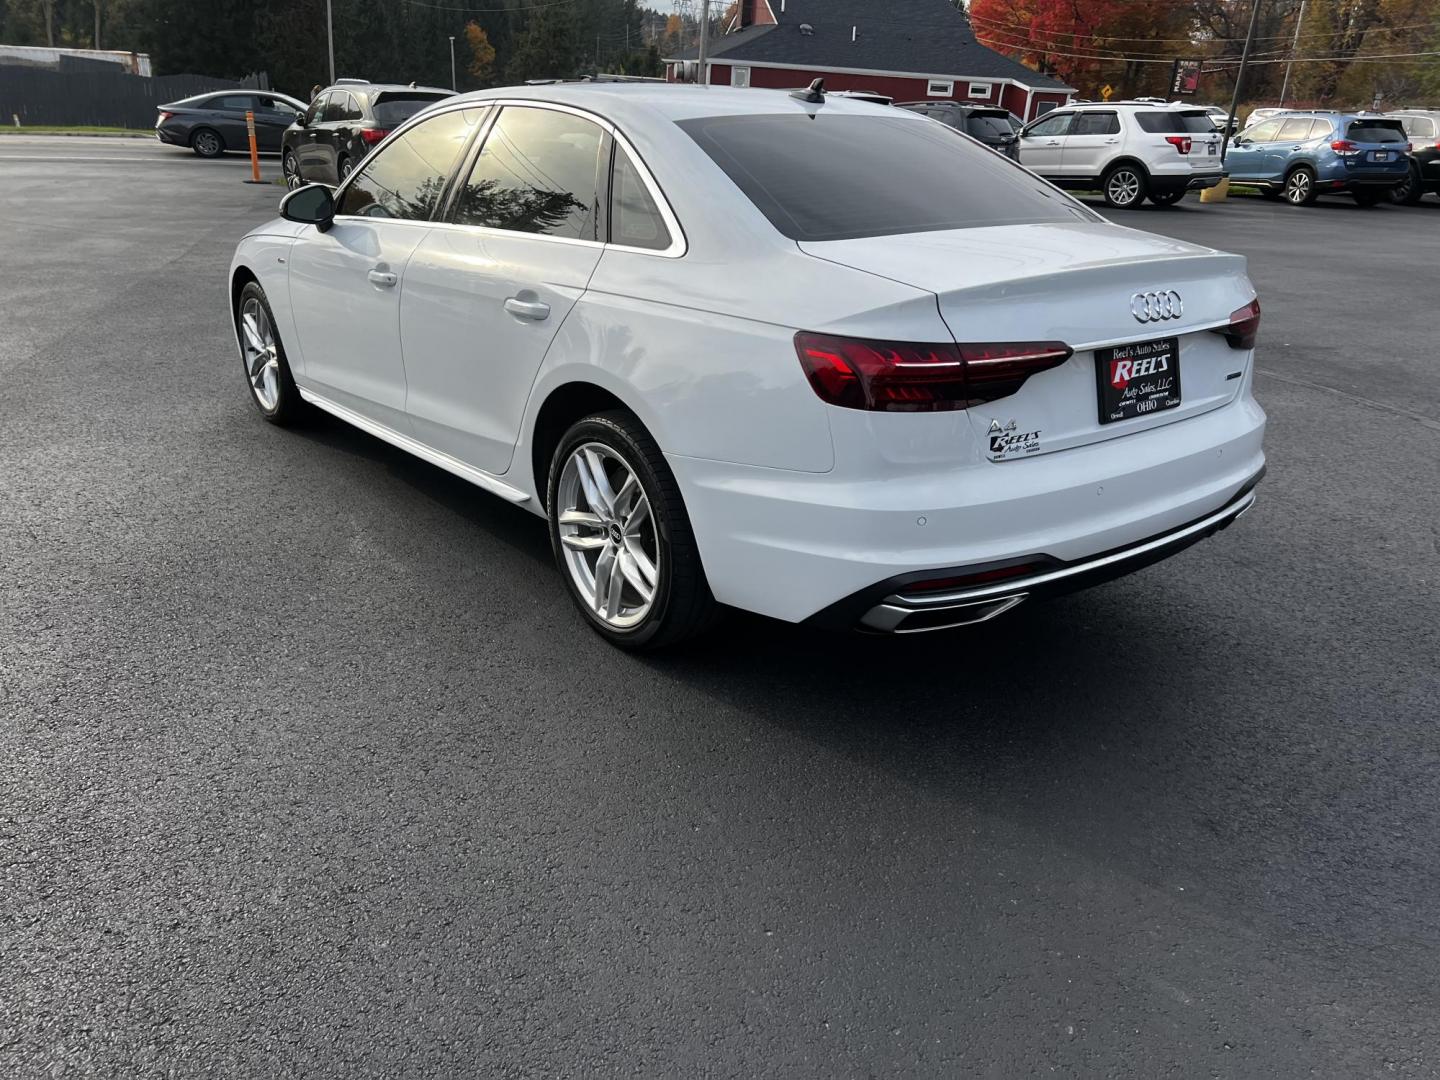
(1422, 127)
(407, 177)
(833, 177)
(539, 172)
(1319, 129)
(1096, 123)
(339, 107)
(635, 220)
(1376, 131)
(392, 110)
(1174, 122)
(1295, 130)
(242, 102)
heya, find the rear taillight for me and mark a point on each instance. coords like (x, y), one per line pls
(903, 376)
(1244, 326)
(1180, 142)
(1344, 146)
(165, 116)
(372, 135)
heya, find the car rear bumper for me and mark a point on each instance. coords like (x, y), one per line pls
(166, 135)
(792, 545)
(896, 607)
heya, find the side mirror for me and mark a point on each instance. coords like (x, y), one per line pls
(313, 204)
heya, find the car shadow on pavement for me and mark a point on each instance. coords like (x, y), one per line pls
(504, 521)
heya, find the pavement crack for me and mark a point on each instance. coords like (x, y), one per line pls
(1419, 418)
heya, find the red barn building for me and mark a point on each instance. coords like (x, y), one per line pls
(910, 50)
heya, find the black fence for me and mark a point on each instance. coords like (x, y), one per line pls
(83, 93)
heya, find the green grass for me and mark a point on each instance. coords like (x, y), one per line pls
(78, 129)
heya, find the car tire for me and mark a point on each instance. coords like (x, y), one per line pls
(207, 142)
(343, 167)
(1166, 198)
(633, 525)
(1124, 186)
(290, 168)
(1366, 197)
(267, 371)
(1300, 186)
(1411, 191)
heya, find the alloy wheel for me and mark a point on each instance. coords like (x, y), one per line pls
(1123, 187)
(1297, 188)
(262, 354)
(290, 169)
(208, 143)
(610, 544)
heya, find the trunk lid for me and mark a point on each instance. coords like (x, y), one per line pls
(1095, 287)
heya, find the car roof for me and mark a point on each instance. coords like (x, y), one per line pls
(386, 88)
(672, 101)
(1147, 105)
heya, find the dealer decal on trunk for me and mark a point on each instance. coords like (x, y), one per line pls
(1010, 442)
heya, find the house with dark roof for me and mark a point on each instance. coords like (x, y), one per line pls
(911, 50)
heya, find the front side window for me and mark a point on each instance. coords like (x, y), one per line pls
(317, 109)
(1055, 124)
(1264, 132)
(407, 178)
(635, 220)
(817, 178)
(538, 172)
(1096, 123)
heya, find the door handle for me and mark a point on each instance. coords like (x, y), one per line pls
(383, 278)
(537, 310)
(1053, 142)
(1111, 142)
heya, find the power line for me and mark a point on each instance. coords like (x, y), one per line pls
(1195, 42)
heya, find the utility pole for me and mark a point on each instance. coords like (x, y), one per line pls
(1294, 45)
(704, 76)
(1240, 78)
(453, 84)
(330, 37)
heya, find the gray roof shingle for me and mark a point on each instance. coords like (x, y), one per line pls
(928, 37)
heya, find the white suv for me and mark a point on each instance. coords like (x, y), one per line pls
(1127, 150)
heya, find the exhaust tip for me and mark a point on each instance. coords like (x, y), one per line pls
(890, 619)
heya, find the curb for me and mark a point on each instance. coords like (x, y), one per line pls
(79, 134)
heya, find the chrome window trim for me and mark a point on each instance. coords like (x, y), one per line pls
(679, 245)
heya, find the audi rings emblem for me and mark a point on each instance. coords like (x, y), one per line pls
(1156, 306)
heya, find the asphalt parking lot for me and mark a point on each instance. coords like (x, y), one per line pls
(308, 768)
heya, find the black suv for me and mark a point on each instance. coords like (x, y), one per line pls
(343, 123)
(988, 123)
(1422, 126)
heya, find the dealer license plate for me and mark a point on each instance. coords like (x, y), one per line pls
(1138, 379)
(1379, 155)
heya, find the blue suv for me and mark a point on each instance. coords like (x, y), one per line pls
(1303, 155)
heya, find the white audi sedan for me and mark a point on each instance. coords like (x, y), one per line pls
(803, 355)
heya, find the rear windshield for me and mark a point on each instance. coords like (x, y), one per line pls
(843, 176)
(393, 109)
(990, 127)
(1381, 131)
(1173, 122)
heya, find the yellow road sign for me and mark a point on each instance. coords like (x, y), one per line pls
(1106, 91)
